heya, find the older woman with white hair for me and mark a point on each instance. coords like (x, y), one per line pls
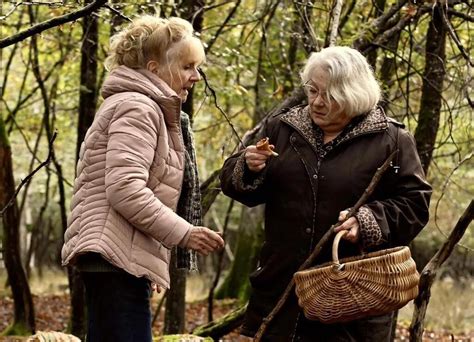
(328, 151)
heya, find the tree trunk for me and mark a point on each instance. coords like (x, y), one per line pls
(433, 77)
(387, 70)
(175, 301)
(24, 317)
(87, 106)
(379, 6)
(249, 240)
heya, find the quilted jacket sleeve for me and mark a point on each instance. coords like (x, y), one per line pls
(133, 136)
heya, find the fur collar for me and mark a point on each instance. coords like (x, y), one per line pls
(298, 118)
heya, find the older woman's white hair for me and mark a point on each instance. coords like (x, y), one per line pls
(352, 83)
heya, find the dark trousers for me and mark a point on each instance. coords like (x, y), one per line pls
(118, 307)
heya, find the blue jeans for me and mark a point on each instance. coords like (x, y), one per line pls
(118, 307)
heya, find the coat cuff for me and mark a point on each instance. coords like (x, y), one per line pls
(243, 179)
(184, 241)
(370, 232)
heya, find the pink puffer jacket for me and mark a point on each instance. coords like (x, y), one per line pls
(129, 178)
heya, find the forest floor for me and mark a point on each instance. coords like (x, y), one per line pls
(450, 315)
(52, 312)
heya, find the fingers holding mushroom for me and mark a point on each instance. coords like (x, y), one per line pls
(264, 145)
(256, 155)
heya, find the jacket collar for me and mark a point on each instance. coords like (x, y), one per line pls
(124, 79)
(371, 122)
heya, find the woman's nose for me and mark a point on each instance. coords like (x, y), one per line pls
(196, 76)
(317, 100)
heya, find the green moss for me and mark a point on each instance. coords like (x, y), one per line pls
(17, 329)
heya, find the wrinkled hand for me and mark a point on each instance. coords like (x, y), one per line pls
(204, 241)
(256, 159)
(351, 225)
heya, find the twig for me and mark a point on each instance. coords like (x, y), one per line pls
(461, 15)
(117, 12)
(38, 28)
(210, 299)
(213, 93)
(15, 6)
(326, 237)
(428, 274)
(224, 23)
(466, 158)
(28, 178)
(454, 36)
(214, 6)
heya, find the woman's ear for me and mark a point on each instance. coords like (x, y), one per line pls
(152, 66)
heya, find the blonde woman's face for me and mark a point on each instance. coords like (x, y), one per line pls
(180, 71)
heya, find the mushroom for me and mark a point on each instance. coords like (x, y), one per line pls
(264, 145)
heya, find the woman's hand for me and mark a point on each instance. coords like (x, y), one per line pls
(256, 159)
(351, 225)
(155, 287)
(204, 240)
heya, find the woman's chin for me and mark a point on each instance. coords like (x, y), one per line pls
(183, 95)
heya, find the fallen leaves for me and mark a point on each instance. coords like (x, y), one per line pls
(52, 313)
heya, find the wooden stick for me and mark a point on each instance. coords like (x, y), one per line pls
(431, 269)
(326, 237)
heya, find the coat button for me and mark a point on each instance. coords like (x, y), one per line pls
(293, 139)
(308, 230)
(315, 176)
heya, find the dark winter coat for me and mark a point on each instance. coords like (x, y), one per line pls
(305, 188)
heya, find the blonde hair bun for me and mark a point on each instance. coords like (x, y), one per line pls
(147, 37)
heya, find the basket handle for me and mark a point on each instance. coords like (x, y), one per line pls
(335, 245)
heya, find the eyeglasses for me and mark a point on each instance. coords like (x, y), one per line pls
(312, 92)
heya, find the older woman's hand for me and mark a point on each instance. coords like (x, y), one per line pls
(256, 159)
(204, 240)
(351, 225)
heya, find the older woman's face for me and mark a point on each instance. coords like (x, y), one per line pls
(324, 111)
(181, 71)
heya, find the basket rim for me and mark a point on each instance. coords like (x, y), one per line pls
(376, 255)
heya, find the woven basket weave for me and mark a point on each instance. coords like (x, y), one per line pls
(356, 287)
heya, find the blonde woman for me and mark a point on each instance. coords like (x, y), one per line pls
(136, 194)
(328, 151)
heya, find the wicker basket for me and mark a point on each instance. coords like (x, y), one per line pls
(356, 287)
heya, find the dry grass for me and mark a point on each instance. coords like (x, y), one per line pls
(451, 307)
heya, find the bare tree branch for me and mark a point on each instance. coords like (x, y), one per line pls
(455, 38)
(117, 12)
(224, 23)
(38, 28)
(336, 14)
(446, 182)
(214, 96)
(28, 178)
(428, 274)
(461, 15)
